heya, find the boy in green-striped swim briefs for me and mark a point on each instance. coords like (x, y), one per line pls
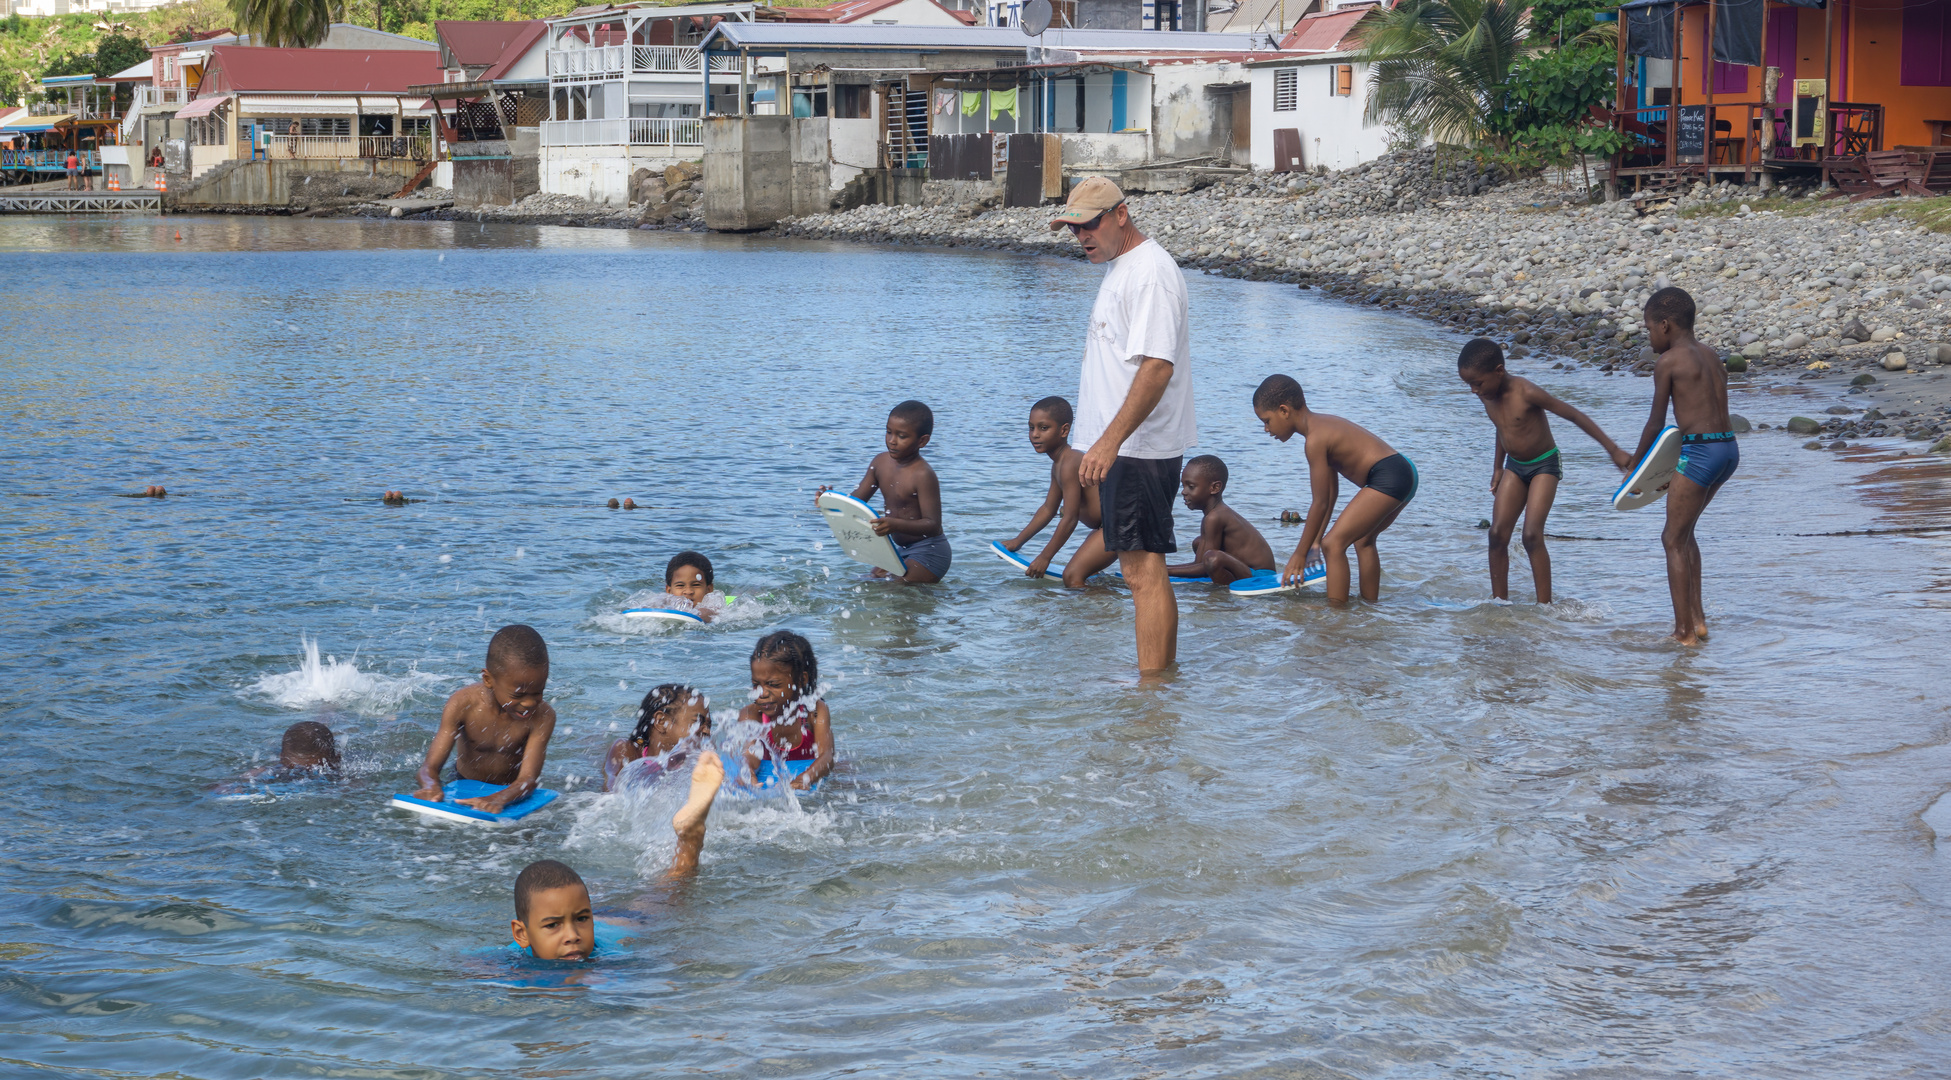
(1524, 463)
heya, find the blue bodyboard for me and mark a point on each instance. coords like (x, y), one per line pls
(766, 777)
(473, 789)
(1266, 582)
(667, 614)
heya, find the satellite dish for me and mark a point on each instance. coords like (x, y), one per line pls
(1036, 17)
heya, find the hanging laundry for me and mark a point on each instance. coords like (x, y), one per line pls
(1003, 101)
(945, 103)
(971, 102)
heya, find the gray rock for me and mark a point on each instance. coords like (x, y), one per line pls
(1839, 410)
(1812, 445)
(1864, 379)
(1795, 341)
(1738, 424)
(1736, 362)
(1873, 415)
(1895, 362)
(1839, 445)
(1802, 425)
(1746, 337)
(1854, 330)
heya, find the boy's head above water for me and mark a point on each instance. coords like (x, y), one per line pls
(1481, 364)
(552, 915)
(1203, 482)
(1279, 404)
(688, 576)
(517, 671)
(1050, 421)
(309, 744)
(1667, 311)
(668, 714)
(909, 427)
(783, 671)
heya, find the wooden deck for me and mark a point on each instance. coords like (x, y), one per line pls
(81, 202)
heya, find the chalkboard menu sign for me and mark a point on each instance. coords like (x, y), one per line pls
(1691, 139)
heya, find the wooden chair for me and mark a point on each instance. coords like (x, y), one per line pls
(1937, 170)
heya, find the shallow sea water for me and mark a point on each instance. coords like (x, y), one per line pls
(1432, 836)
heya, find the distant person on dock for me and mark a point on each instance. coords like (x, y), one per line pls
(1229, 548)
(74, 172)
(1068, 500)
(500, 725)
(1524, 461)
(1694, 379)
(911, 494)
(688, 580)
(1338, 448)
(1134, 405)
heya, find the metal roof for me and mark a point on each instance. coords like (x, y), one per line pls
(775, 37)
(328, 71)
(478, 43)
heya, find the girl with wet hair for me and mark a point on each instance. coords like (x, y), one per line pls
(670, 714)
(793, 722)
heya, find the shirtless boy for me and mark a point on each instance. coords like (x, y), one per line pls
(1693, 377)
(554, 919)
(1229, 547)
(688, 577)
(500, 725)
(1524, 462)
(1050, 436)
(1338, 448)
(912, 496)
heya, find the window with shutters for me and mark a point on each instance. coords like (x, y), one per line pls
(1287, 90)
(1344, 80)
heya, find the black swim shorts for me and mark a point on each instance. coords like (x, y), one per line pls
(1546, 463)
(1137, 496)
(1394, 476)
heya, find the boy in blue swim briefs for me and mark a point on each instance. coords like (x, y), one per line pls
(1068, 501)
(1693, 378)
(912, 496)
(1524, 462)
(1338, 449)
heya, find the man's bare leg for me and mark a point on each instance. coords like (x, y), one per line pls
(1091, 558)
(1157, 610)
(1537, 507)
(1685, 500)
(689, 821)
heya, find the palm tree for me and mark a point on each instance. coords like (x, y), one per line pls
(287, 23)
(1439, 67)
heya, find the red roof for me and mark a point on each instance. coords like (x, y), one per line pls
(851, 11)
(1324, 33)
(480, 44)
(235, 69)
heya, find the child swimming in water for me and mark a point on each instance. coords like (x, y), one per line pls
(553, 916)
(1229, 548)
(500, 725)
(307, 750)
(1524, 462)
(669, 715)
(911, 496)
(1050, 436)
(793, 721)
(1338, 448)
(688, 579)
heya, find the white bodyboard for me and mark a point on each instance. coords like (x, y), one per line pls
(666, 614)
(1653, 475)
(1016, 559)
(852, 522)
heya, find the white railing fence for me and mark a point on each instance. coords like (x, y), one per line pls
(679, 58)
(347, 146)
(634, 131)
(148, 97)
(596, 62)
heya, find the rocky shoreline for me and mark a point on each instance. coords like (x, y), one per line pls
(1791, 288)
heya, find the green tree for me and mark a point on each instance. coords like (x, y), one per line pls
(118, 53)
(287, 23)
(1439, 67)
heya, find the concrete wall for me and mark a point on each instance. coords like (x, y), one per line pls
(855, 145)
(487, 174)
(1122, 150)
(602, 174)
(748, 174)
(286, 183)
(1188, 120)
(1332, 132)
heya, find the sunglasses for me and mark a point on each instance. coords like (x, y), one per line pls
(1087, 226)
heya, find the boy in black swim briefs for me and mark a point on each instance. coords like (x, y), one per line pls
(912, 515)
(1068, 501)
(1693, 378)
(1338, 448)
(1524, 462)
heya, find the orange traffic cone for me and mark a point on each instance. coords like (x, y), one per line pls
(162, 181)
(114, 182)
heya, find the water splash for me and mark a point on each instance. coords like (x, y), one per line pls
(327, 680)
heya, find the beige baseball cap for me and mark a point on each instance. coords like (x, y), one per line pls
(1092, 196)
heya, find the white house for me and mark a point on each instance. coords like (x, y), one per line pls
(1313, 104)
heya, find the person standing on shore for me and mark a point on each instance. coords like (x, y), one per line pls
(1134, 404)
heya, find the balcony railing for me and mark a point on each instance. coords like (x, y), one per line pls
(634, 131)
(612, 61)
(81, 110)
(149, 97)
(417, 147)
(45, 160)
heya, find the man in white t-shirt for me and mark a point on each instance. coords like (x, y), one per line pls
(1134, 408)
